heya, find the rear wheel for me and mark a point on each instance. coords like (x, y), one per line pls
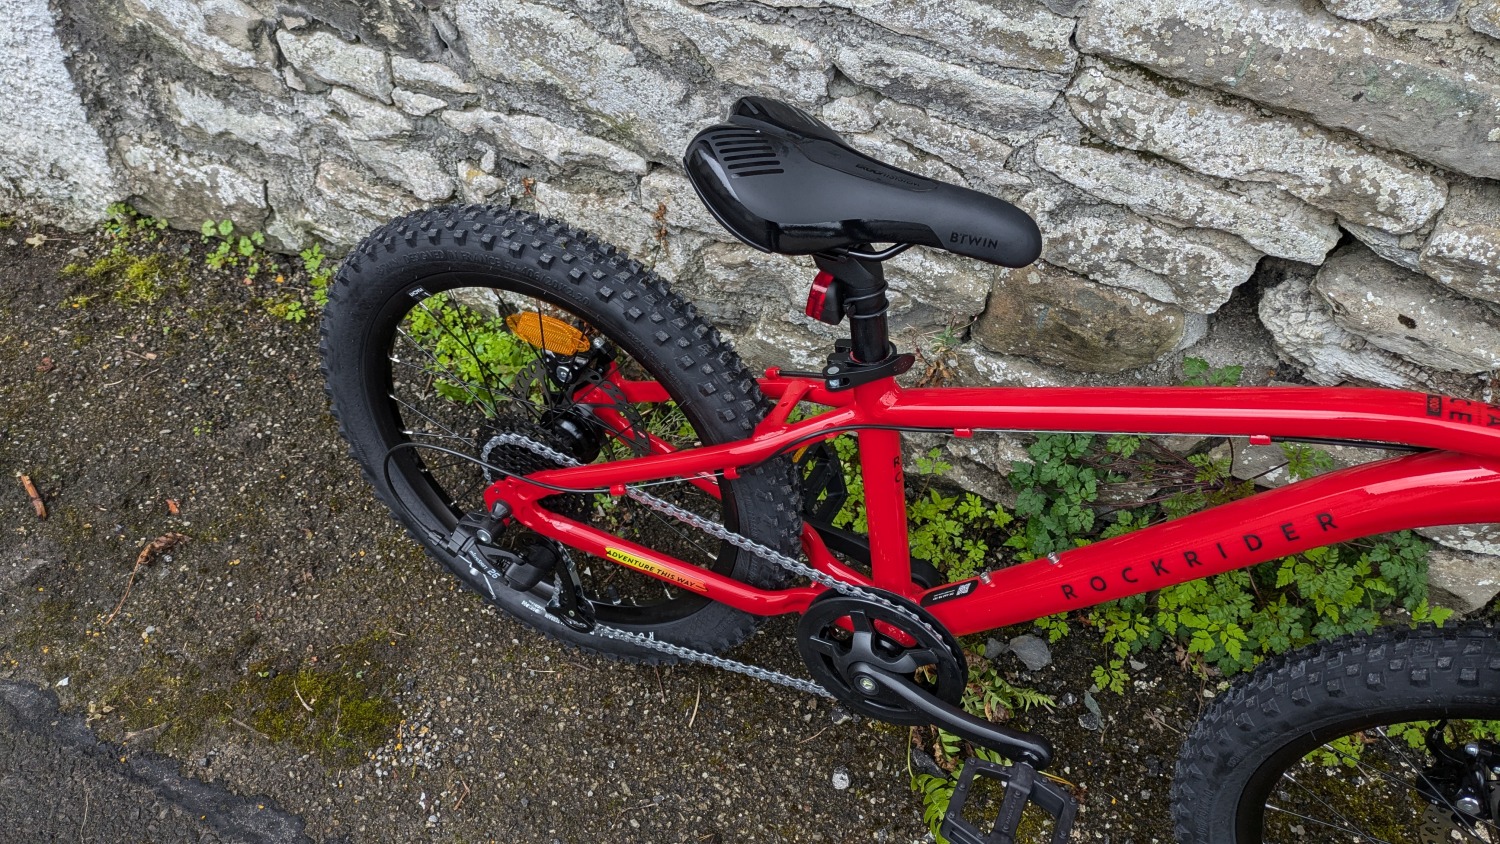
(1389, 737)
(475, 339)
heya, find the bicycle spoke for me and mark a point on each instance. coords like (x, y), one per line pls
(1336, 812)
(1310, 819)
(479, 363)
(455, 434)
(452, 376)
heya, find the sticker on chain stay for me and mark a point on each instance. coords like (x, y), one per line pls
(655, 570)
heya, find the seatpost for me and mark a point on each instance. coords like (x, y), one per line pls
(863, 284)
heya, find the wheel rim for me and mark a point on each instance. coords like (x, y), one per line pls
(446, 370)
(1368, 782)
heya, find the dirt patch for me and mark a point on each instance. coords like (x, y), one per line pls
(297, 644)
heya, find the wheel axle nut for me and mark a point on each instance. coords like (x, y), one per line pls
(1468, 804)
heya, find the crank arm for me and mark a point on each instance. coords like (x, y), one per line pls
(1014, 744)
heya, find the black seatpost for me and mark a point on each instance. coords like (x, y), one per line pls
(864, 299)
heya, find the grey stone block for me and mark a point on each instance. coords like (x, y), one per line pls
(1194, 268)
(531, 139)
(774, 60)
(334, 61)
(1234, 141)
(1406, 313)
(1485, 17)
(1303, 331)
(1262, 215)
(1404, 10)
(1464, 250)
(540, 45)
(215, 34)
(1008, 33)
(185, 189)
(958, 93)
(1462, 581)
(53, 163)
(1293, 56)
(1065, 320)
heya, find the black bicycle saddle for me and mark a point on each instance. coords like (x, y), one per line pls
(784, 181)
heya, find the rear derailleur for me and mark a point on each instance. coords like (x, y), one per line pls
(473, 542)
(888, 658)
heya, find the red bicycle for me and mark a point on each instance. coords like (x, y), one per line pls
(578, 445)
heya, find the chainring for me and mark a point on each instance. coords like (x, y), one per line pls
(838, 632)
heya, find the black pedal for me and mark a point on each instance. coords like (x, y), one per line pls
(1022, 786)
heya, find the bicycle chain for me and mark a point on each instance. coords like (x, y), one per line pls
(744, 543)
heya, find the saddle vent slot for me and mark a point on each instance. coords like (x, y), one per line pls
(746, 153)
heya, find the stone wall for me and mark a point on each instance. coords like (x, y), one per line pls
(1307, 188)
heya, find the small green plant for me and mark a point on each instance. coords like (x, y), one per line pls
(137, 280)
(122, 223)
(288, 307)
(1196, 372)
(319, 273)
(472, 356)
(232, 250)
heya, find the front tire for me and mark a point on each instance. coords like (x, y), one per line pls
(1325, 744)
(401, 365)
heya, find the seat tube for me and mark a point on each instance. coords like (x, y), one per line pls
(885, 509)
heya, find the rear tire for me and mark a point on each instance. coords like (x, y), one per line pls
(404, 269)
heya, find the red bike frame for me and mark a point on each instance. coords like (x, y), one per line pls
(1456, 481)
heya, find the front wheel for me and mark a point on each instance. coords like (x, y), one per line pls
(1386, 737)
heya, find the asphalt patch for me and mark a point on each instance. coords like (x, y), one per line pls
(58, 782)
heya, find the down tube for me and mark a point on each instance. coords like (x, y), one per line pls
(1420, 490)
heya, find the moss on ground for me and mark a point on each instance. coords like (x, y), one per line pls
(337, 707)
(131, 279)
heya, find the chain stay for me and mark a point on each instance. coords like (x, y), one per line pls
(744, 543)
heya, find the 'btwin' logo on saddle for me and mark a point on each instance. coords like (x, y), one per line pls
(961, 239)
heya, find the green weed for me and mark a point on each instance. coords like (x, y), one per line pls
(319, 273)
(232, 250)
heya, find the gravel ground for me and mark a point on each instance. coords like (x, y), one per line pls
(296, 645)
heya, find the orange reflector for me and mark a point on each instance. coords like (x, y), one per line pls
(548, 333)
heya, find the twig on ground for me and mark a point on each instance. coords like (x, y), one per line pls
(132, 736)
(697, 696)
(301, 699)
(460, 801)
(36, 497)
(813, 736)
(154, 547)
(240, 723)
